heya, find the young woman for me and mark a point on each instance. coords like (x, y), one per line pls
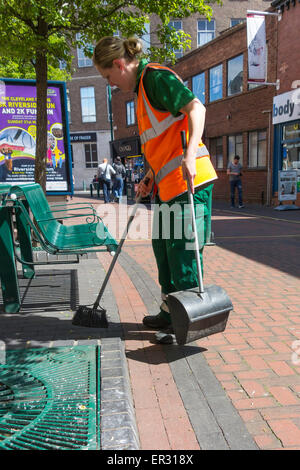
(165, 107)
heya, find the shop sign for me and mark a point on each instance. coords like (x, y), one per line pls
(84, 137)
(286, 107)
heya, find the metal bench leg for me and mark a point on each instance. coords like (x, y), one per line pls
(24, 237)
(8, 270)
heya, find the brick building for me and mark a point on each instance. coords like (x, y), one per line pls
(90, 125)
(235, 121)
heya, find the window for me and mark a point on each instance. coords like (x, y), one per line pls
(68, 105)
(146, 38)
(177, 25)
(235, 75)
(82, 59)
(206, 31)
(215, 83)
(108, 103)
(235, 21)
(198, 86)
(257, 149)
(130, 116)
(216, 152)
(235, 147)
(91, 155)
(88, 107)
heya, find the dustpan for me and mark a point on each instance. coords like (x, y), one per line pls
(198, 312)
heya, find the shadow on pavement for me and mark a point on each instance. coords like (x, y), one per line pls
(270, 241)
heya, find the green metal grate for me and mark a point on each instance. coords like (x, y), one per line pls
(50, 399)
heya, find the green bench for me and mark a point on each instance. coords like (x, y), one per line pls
(36, 219)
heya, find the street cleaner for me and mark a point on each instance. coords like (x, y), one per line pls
(165, 107)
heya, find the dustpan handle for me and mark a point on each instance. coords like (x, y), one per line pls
(192, 207)
(123, 238)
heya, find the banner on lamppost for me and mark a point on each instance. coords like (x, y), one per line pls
(256, 43)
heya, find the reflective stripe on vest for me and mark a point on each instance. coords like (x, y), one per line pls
(158, 127)
(176, 163)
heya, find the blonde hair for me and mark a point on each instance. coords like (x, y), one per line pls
(110, 48)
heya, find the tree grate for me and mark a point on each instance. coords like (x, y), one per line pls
(50, 399)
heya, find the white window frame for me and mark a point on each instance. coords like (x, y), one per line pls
(130, 113)
(178, 52)
(82, 59)
(205, 32)
(90, 116)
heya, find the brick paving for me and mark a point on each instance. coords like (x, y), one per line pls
(255, 260)
(235, 389)
(255, 360)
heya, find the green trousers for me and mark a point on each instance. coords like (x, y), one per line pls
(172, 239)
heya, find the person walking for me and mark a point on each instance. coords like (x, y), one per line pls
(234, 170)
(165, 107)
(119, 179)
(105, 173)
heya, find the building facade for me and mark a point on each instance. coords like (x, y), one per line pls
(286, 103)
(237, 115)
(91, 127)
(89, 120)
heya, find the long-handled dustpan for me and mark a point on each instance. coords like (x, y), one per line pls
(95, 316)
(198, 312)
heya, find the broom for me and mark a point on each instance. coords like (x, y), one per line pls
(95, 316)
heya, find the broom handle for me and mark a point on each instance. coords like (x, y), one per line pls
(123, 238)
(191, 201)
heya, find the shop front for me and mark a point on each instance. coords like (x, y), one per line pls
(129, 149)
(286, 121)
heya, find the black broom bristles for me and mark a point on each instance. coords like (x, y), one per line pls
(90, 317)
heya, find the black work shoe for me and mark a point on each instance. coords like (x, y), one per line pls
(157, 322)
(165, 336)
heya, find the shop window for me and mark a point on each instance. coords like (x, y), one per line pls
(177, 25)
(88, 106)
(130, 115)
(206, 31)
(216, 83)
(235, 75)
(91, 155)
(198, 86)
(291, 146)
(216, 152)
(235, 147)
(257, 149)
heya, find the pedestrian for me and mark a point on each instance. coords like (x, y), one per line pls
(234, 170)
(119, 179)
(165, 107)
(105, 173)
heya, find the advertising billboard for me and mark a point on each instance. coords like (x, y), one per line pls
(18, 135)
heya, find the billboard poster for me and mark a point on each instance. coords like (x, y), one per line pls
(18, 135)
(287, 188)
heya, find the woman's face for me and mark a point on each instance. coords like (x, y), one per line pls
(121, 75)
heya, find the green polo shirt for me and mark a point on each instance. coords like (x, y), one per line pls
(165, 92)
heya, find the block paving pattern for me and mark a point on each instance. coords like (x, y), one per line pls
(256, 359)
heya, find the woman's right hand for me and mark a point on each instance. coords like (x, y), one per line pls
(145, 186)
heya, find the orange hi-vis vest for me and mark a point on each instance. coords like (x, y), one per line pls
(161, 144)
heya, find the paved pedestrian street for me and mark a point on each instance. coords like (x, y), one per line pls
(239, 389)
